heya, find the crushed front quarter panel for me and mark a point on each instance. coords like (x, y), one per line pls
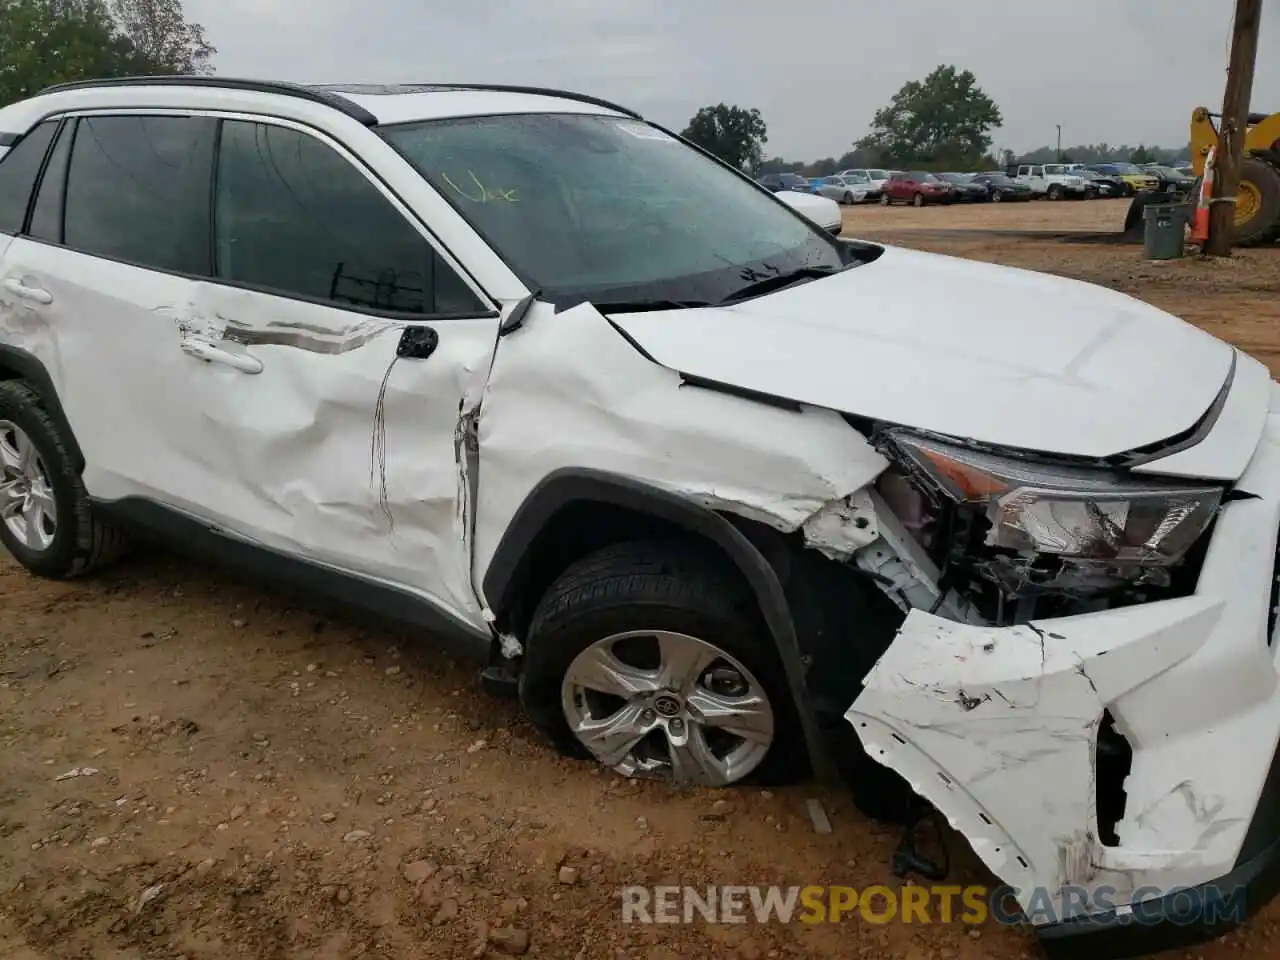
(997, 726)
(568, 391)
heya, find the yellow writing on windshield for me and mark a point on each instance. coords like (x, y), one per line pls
(482, 194)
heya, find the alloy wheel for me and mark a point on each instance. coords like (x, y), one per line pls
(27, 505)
(668, 705)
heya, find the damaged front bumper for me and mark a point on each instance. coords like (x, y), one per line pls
(998, 727)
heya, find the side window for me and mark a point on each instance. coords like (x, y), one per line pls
(293, 216)
(138, 190)
(18, 171)
(46, 215)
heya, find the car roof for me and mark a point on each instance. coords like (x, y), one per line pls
(367, 103)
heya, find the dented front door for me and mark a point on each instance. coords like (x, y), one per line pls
(331, 434)
(328, 364)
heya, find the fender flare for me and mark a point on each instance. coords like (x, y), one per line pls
(567, 486)
(25, 366)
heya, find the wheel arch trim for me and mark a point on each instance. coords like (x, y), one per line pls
(567, 486)
(26, 366)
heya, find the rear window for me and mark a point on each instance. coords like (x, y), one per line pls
(19, 169)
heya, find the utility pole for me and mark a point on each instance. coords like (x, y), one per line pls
(1059, 126)
(1231, 131)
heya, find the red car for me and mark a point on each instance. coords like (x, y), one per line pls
(916, 187)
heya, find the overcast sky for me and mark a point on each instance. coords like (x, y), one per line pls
(1106, 70)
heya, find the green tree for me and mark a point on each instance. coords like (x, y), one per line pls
(734, 134)
(1142, 155)
(944, 119)
(43, 42)
(162, 35)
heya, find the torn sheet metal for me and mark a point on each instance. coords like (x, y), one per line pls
(996, 727)
(842, 527)
(568, 390)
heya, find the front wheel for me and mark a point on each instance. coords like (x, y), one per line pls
(848, 199)
(1055, 192)
(997, 197)
(651, 657)
(884, 200)
(918, 200)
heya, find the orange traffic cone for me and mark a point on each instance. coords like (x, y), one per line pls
(1200, 223)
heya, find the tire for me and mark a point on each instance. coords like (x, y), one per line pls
(655, 586)
(884, 200)
(918, 200)
(997, 197)
(1054, 192)
(1265, 224)
(78, 542)
(848, 199)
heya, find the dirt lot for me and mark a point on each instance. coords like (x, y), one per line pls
(265, 772)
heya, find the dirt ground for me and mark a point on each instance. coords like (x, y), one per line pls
(275, 781)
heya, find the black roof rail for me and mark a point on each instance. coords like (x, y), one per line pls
(280, 87)
(375, 89)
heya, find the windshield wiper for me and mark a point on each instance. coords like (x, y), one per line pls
(778, 281)
(640, 306)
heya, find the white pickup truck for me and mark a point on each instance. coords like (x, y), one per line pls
(1052, 180)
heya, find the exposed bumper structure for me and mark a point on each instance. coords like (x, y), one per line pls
(998, 729)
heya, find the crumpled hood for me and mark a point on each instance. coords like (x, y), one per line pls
(995, 354)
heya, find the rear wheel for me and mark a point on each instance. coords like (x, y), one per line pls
(651, 658)
(46, 522)
(918, 200)
(1257, 213)
(884, 200)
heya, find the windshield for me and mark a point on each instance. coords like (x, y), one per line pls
(921, 177)
(611, 209)
(955, 177)
(1126, 168)
(856, 178)
(878, 174)
(1054, 168)
(996, 178)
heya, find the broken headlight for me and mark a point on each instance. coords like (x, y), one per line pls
(1070, 513)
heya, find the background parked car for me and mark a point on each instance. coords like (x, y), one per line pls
(1169, 178)
(845, 190)
(966, 191)
(785, 181)
(1134, 178)
(1002, 188)
(1053, 180)
(1104, 185)
(917, 187)
(878, 178)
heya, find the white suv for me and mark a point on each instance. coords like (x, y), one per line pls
(1053, 180)
(715, 489)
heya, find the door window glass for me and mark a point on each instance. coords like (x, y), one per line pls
(18, 171)
(294, 216)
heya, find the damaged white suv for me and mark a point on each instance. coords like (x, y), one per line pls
(715, 489)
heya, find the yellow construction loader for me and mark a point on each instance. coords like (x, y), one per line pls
(1257, 207)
